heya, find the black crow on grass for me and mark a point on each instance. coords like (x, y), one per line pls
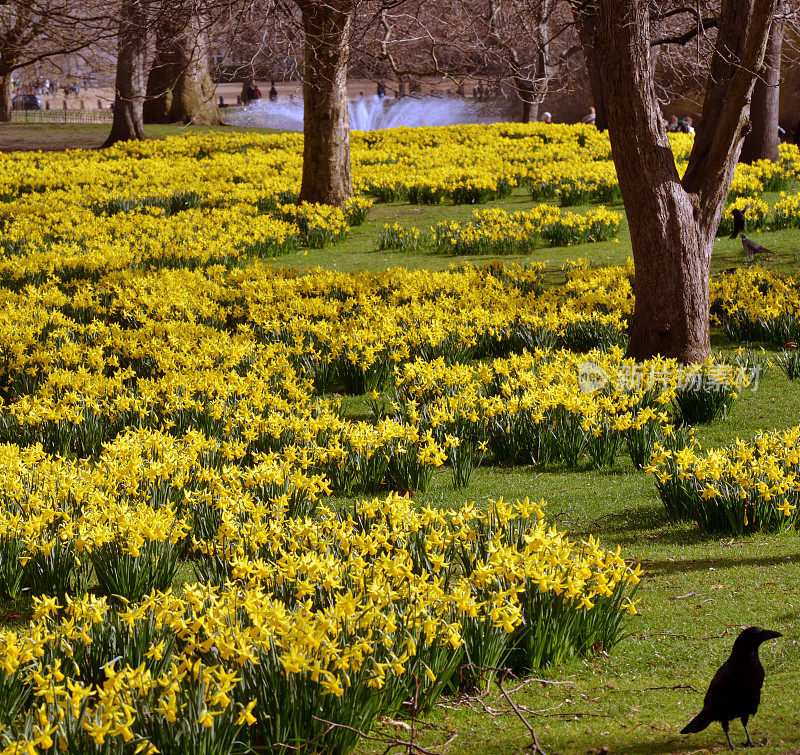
(735, 690)
(738, 221)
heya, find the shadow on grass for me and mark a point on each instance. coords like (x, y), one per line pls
(671, 746)
(632, 519)
(644, 519)
(703, 564)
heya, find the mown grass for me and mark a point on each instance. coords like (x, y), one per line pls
(696, 592)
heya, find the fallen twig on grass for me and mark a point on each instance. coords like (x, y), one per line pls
(410, 747)
(651, 689)
(541, 681)
(535, 748)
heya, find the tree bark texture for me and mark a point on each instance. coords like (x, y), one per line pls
(672, 221)
(179, 87)
(533, 92)
(530, 103)
(5, 97)
(763, 141)
(326, 152)
(131, 80)
(586, 33)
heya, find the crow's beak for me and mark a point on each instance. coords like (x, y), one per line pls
(768, 634)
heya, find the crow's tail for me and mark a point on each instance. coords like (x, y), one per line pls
(698, 723)
(734, 234)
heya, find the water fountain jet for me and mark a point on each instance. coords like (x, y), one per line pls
(370, 114)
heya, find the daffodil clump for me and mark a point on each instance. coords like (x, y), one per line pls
(575, 181)
(745, 487)
(756, 304)
(787, 211)
(749, 180)
(320, 225)
(302, 623)
(398, 238)
(499, 232)
(554, 407)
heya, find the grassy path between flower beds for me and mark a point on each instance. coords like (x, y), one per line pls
(696, 593)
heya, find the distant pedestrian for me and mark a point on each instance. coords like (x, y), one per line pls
(381, 91)
(589, 117)
(673, 124)
(547, 118)
(273, 92)
(256, 93)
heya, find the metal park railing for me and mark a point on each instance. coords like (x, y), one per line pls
(61, 116)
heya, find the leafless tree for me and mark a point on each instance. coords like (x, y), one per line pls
(673, 221)
(134, 39)
(763, 141)
(511, 46)
(36, 30)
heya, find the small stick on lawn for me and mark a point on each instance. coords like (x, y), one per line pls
(536, 748)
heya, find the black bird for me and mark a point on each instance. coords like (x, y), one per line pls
(738, 221)
(735, 690)
(751, 247)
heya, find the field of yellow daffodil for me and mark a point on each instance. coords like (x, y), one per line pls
(218, 556)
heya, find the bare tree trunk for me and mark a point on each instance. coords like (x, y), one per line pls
(247, 85)
(673, 222)
(131, 80)
(326, 153)
(763, 141)
(5, 97)
(179, 87)
(585, 24)
(530, 104)
(164, 73)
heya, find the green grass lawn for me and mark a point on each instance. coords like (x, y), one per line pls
(696, 592)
